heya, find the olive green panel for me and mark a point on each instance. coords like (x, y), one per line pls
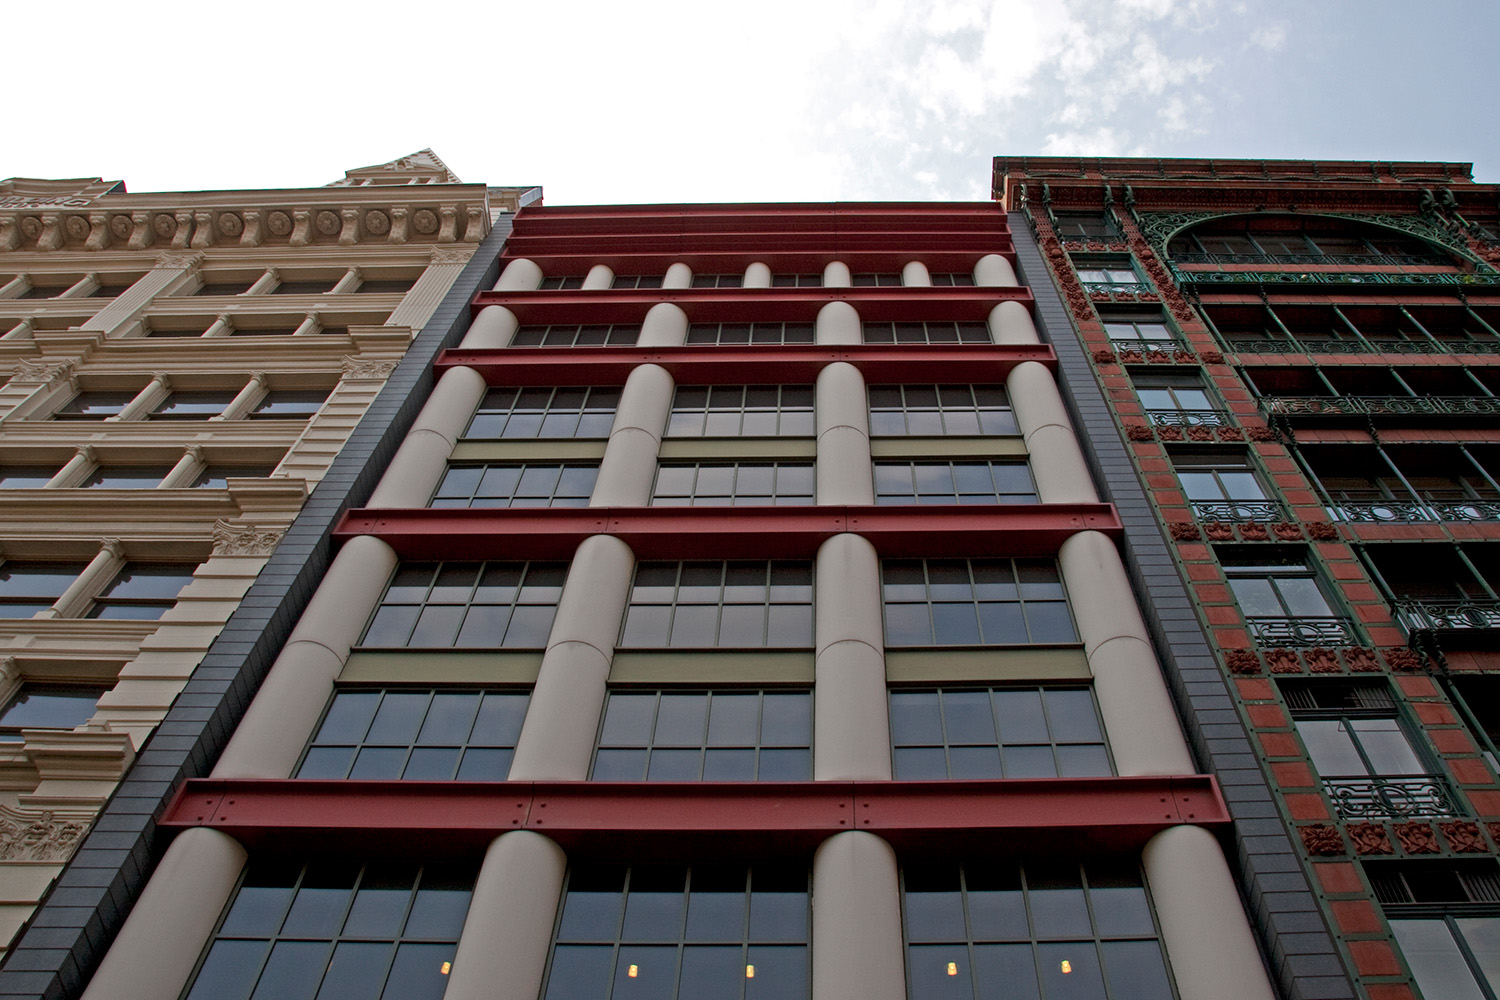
(466, 666)
(990, 665)
(947, 447)
(745, 447)
(527, 451)
(713, 667)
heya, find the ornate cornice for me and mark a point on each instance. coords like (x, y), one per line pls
(244, 539)
(367, 368)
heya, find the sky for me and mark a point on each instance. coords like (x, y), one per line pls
(600, 101)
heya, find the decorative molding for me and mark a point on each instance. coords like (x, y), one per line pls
(244, 539)
(279, 223)
(203, 229)
(251, 236)
(43, 372)
(1322, 840)
(377, 223)
(1370, 838)
(424, 221)
(452, 254)
(100, 231)
(367, 368)
(349, 230)
(113, 546)
(327, 222)
(178, 261)
(39, 835)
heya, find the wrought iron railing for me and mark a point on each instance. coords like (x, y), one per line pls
(1373, 347)
(1442, 278)
(1259, 346)
(1408, 795)
(1118, 288)
(1349, 260)
(1406, 511)
(1238, 510)
(1169, 348)
(1303, 630)
(1448, 616)
(1378, 405)
(1188, 418)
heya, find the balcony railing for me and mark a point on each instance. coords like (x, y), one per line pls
(1167, 348)
(1258, 346)
(1401, 797)
(1303, 630)
(1312, 259)
(1380, 405)
(1408, 511)
(1188, 418)
(1448, 616)
(1118, 288)
(1451, 279)
(1238, 510)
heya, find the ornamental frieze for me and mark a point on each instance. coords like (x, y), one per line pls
(38, 835)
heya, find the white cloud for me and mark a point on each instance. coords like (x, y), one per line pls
(1270, 37)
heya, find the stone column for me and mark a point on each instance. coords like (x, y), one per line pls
(838, 323)
(95, 576)
(757, 275)
(264, 284)
(187, 469)
(836, 275)
(1057, 464)
(679, 275)
(422, 459)
(1010, 323)
(915, 273)
(508, 931)
(628, 469)
(285, 711)
(994, 271)
(157, 948)
(599, 276)
(307, 327)
(423, 298)
(859, 953)
(348, 283)
(494, 327)
(245, 400)
(1204, 930)
(155, 391)
(16, 287)
(852, 724)
(1140, 721)
(222, 326)
(844, 471)
(82, 461)
(520, 275)
(665, 325)
(122, 315)
(557, 738)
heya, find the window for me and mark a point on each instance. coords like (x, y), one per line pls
(434, 735)
(927, 333)
(734, 484)
(797, 281)
(988, 931)
(385, 286)
(636, 281)
(725, 604)
(245, 329)
(1084, 225)
(29, 587)
(750, 333)
(718, 280)
(1359, 747)
(289, 404)
(312, 286)
(25, 477)
(934, 410)
(730, 735)
(224, 287)
(1478, 701)
(997, 733)
(126, 477)
(874, 280)
(193, 405)
(1107, 275)
(712, 931)
(528, 485)
(142, 591)
(1281, 598)
(1141, 331)
(974, 602)
(555, 284)
(962, 279)
(1178, 400)
(48, 706)
(358, 931)
(1223, 487)
(216, 477)
(545, 413)
(578, 335)
(742, 411)
(468, 604)
(1444, 917)
(94, 405)
(953, 482)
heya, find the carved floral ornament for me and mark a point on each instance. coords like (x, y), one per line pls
(42, 372)
(367, 368)
(244, 539)
(39, 835)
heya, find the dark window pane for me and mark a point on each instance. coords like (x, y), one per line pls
(786, 720)
(1135, 970)
(431, 764)
(438, 913)
(674, 765)
(327, 762)
(485, 765)
(229, 971)
(398, 718)
(643, 973)
(935, 916)
(939, 972)
(777, 916)
(419, 972)
(499, 720)
(257, 909)
(734, 765)
(379, 764)
(380, 904)
(733, 720)
(1008, 972)
(1081, 981)
(711, 973)
(293, 971)
(357, 970)
(779, 973)
(716, 916)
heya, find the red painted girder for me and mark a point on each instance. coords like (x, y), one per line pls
(728, 532)
(446, 818)
(772, 364)
(753, 305)
(638, 259)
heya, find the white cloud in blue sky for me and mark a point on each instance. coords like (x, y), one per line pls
(670, 100)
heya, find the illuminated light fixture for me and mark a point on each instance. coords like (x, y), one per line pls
(446, 968)
(633, 971)
(1066, 966)
(749, 972)
(952, 968)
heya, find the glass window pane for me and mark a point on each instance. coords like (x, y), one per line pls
(1330, 747)
(652, 916)
(940, 972)
(230, 970)
(380, 904)
(399, 717)
(733, 720)
(710, 973)
(579, 971)
(934, 916)
(716, 916)
(449, 718)
(1057, 904)
(418, 972)
(1081, 981)
(485, 765)
(499, 720)
(786, 720)
(293, 971)
(349, 717)
(967, 717)
(619, 765)
(1386, 746)
(674, 765)
(1071, 715)
(1008, 972)
(643, 973)
(1482, 934)
(628, 720)
(357, 970)
(731, 765)
(1435, 960)
(777, 916)
(780, 973)
(1135, 970)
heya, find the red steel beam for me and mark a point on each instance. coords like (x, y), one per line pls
(785, 365)
(687, 819)
(728, 532)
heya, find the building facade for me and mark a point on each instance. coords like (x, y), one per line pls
(1302, 356)
(740, 616)
(180, 371)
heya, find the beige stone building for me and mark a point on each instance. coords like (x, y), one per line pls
(177, 371)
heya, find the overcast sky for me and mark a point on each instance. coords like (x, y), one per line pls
(656, 100)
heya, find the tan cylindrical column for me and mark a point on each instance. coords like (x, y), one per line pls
(679, 275)
(187, 469)
(1057, 464)
(838, 323)
(599, 276)
(757, 275)
(844, 472)
(246, 399)
(628, 468)
(290, 701)
(665, 325)
(836, 275)
(994, 271)
(520, 275)
(422, 459)
(1204, 930)
(73, 471)
(155, 952)
(915, 273)
(852, 724)
(857, 920)
(1010, 323)
(508, 931)
(95, 576)
(557, 738)
(155, 391)
(495, 326)
(1140, 721)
